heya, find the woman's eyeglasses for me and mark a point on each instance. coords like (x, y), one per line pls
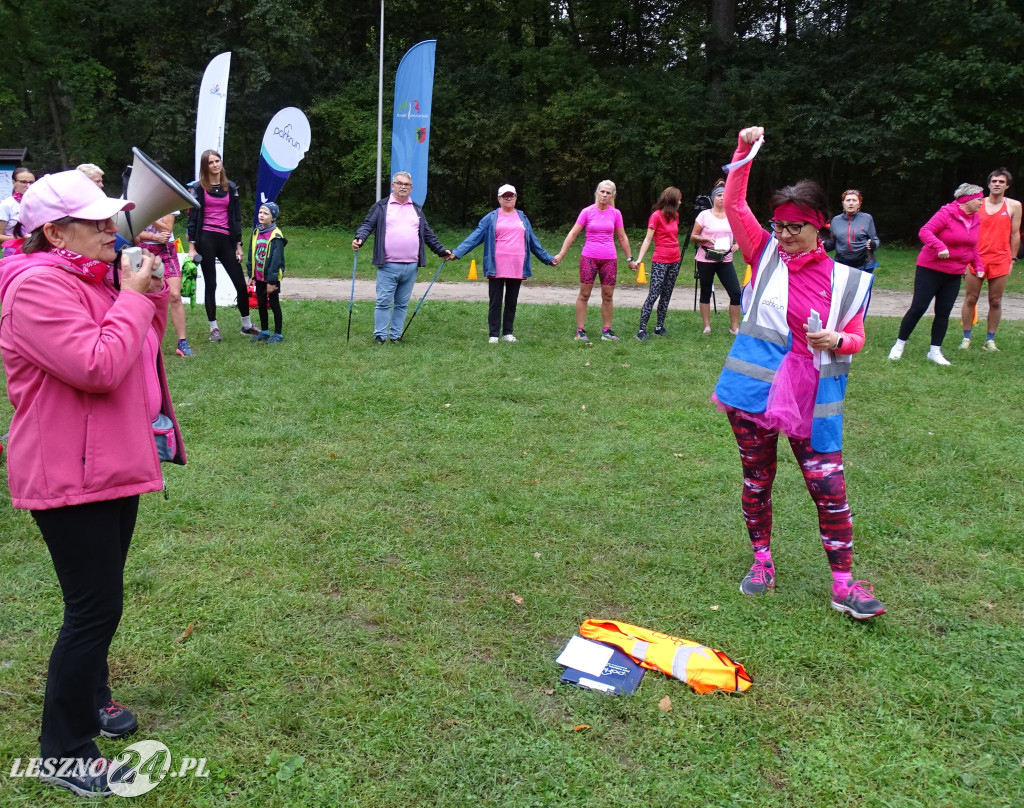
(25, 182)
(99, 224)
(793, 228)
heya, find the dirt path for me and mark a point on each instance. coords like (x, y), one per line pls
(883, 303)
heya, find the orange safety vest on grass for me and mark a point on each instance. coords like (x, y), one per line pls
(702, 668)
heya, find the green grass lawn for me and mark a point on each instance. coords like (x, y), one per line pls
(327, 253)
(354, 521)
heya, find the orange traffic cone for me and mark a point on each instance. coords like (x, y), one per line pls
(641, 276)
(472, 270)
(975, 314)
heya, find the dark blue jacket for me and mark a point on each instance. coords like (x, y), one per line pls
(376, 223)
(485, 232)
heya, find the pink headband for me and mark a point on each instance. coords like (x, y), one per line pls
(970, 198)
(791, 212)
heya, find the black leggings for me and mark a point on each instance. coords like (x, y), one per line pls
(213, 246)
(706, 271)
(88, 544)
(928, 284)
(275, 305)
(496, 288)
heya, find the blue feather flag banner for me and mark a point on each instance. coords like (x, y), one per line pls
(410, 127)
(285, 143)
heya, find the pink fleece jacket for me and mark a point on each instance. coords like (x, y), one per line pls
(951, 229)
(72, 351)
(809, 288)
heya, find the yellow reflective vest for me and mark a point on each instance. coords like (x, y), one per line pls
(702, 668)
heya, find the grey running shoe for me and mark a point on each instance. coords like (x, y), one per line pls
(859, 602)
(759, 580)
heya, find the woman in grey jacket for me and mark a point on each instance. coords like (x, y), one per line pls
(853, 234)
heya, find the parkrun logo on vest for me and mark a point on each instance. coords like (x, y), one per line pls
(410, 109)
(773, 303)
(286, 135)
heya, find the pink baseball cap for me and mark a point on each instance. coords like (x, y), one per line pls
(69, 193)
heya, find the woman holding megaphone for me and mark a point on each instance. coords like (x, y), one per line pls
(92, 421)
(215, 231)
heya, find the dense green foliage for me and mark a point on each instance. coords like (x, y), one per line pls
(353, 522)
(901, 100)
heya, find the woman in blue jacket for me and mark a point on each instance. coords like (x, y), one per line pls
(508, 240)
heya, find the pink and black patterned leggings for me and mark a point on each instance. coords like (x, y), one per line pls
(823, 473)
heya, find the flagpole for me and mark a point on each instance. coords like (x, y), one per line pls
(380, 99)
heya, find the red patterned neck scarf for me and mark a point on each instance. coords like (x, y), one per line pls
(17, 195)
(88, 269)
(797, 261)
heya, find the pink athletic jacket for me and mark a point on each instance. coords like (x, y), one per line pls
(950, 229)
(72, 351)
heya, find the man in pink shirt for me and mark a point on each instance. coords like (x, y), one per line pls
(401, 234)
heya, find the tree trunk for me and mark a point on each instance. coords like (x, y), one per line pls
(723, 21)
(58, 130)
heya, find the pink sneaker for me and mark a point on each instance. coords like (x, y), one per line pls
(858, 601)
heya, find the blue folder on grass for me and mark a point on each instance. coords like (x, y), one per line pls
(620, 675)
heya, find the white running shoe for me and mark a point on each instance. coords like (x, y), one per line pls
(935, 355)
(509, 338)
(990, 345)
(896, 352)
(493, 340)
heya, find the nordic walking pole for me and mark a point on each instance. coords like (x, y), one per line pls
(443, 262)
(352, 297)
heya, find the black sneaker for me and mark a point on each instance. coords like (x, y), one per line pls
(608, 335)
(116, 720)
(642, 335)
(90, 778)
(250, 331)
(660, 331)
(378, 339)
(581, 335)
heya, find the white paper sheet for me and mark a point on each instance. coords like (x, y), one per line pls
(584, 655)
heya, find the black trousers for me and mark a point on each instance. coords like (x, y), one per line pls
(726, 272)
(496, 289)
(213, 246)
(928, 284)
(262, 299)
(88, 545)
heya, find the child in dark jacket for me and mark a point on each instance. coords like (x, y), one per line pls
(266, 266)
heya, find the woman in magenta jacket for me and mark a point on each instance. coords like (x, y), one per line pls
(86, 380)
(950, 245)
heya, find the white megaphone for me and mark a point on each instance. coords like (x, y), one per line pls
(155, 194)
